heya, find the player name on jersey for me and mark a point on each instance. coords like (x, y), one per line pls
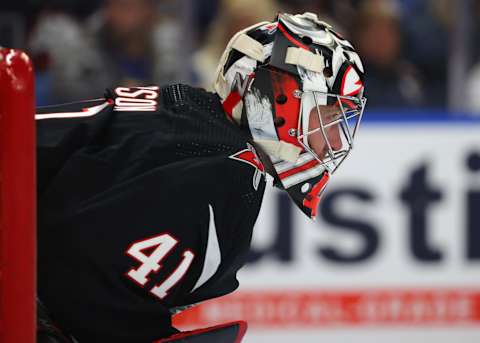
(136, 99)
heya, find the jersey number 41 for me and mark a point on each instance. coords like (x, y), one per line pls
(163, 245)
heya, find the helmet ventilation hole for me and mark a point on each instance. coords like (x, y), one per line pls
(279, 121)
(307, 40)
(281, 99)
(327, 72)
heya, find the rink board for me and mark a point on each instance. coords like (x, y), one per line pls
(392, 256)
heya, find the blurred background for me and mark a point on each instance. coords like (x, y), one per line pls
(419, 54)
(395, 252)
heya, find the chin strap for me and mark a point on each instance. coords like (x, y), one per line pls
(280, 149)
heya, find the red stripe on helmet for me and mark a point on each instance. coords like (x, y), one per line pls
(349, 103)
(291, 39)
(358, 83)
(313, 197)
(298, 169)
(284, 84)
(230, 102)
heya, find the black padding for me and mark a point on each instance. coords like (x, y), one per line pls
(47, 331)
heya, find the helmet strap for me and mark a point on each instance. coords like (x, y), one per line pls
(280, 149)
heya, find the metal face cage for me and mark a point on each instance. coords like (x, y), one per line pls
(337, 124)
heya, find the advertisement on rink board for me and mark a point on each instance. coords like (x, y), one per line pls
(393, 254)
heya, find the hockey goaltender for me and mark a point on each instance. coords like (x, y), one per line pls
(147, 197)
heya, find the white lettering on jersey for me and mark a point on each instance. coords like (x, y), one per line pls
(161, 290)
(136, 99)
(163, 245)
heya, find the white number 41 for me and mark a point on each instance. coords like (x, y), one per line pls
(164, 243)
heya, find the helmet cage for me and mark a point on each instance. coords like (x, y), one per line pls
(346, 120)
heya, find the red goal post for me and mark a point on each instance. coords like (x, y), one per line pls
(17, 198)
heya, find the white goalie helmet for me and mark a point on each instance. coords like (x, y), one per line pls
(297, 86)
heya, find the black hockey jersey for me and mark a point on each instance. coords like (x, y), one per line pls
(146, 203)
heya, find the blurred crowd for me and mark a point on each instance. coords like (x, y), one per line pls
(81, 47)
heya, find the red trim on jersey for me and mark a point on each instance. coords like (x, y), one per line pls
(83, 113)
(250, 157)
(312, 199)
(242, 328)
(298, 169)
(291, 39)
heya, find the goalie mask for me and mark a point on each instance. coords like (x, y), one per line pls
(297, 86)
